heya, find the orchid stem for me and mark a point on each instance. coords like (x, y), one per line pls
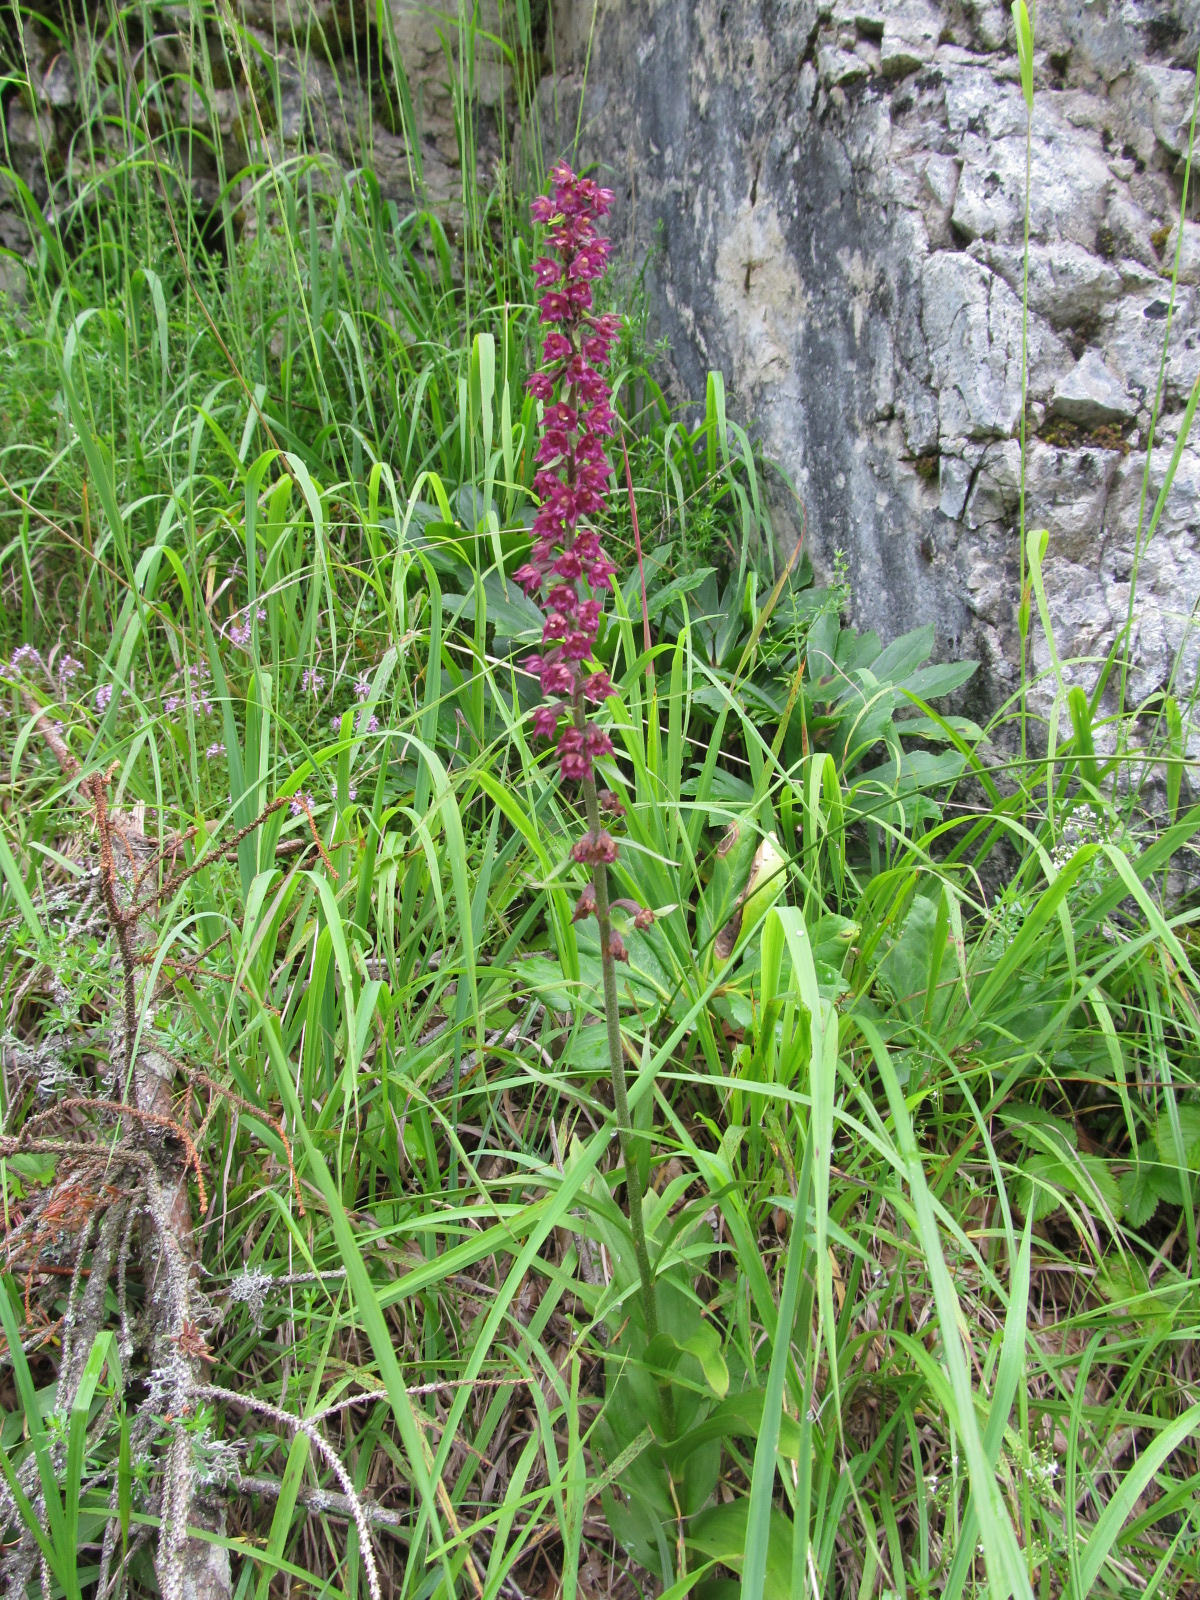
(616, 1063)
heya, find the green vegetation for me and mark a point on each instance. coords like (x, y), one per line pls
(913, 1044)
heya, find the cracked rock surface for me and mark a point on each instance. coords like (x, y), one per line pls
(834, 193)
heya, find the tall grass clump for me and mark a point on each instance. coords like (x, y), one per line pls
(377, 1219)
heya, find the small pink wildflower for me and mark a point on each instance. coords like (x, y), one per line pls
(22, 657)
(585, 906)
(594, 848)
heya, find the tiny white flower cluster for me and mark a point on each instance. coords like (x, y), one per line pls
(1073, 837)
(1081, 830)
(1042, 1468)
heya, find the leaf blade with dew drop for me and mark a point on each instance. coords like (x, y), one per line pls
(54, 1543)
(1178, 752)
(1002, 1552)
(285, 1506)
(313, 500)
(81, 1402)
(16, 886)
(159, 300)
(814, 1178)
(1085, 746)
(365, 1295)
(1004, 1390)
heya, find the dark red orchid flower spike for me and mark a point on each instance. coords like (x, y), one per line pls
(569, 572)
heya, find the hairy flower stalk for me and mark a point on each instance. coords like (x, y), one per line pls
(568, 571)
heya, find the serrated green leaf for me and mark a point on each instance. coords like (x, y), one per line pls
(1139, 1194)
(1170, 1153)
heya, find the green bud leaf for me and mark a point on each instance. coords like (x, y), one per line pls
(664, 1351)
(1024, 29)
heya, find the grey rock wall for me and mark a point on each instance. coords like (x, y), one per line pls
(837, 188)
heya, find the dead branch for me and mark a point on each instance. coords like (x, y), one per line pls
(54, 742)
(108, 1195)
(119, 921)
(325, 1502)
(285, 1419)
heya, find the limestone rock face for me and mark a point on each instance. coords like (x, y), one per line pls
(1090, 395)
(833, 192)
